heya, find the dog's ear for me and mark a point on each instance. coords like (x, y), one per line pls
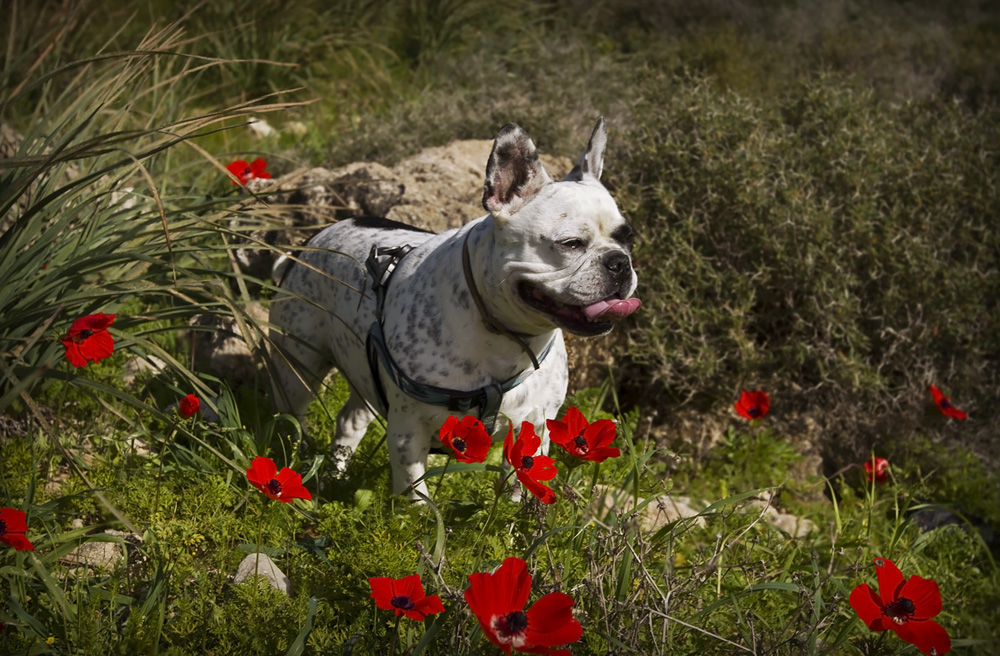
(591, 162)
(514, 174)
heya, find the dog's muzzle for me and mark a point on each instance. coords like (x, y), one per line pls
(594, 317)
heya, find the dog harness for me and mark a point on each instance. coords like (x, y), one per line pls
(381, 264)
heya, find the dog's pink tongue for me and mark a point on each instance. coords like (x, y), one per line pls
(615, 307)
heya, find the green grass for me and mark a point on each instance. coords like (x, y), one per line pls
(814, 191)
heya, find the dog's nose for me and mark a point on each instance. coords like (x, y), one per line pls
(616, 262)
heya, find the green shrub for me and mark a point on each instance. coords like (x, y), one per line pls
(828, 246)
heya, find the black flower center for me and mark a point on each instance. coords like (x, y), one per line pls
(402, 602)
(527, 462)
(944, 403)
(3, 527)
(580, 443)
(274, 487)
(82, 336)
(511, 625)
(753, 411)
(900, 610)
(459, 444)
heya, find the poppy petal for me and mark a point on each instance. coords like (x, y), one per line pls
(261, 471)
(558, 432)
(551, 621)
(427, 605)
(926, 635)
(602, 454)
(925, 595)
(409, 586)
(527, 437)
(508, 448)
(98, 346)
(291, 486)
(73, 354)
(500, 593)
(575, 422)
(512, 584)
(867, 605)
(382, 592)
(257, 168)
(542, 492)
(15, 520)
(543, 468)
(18, 541)
(890, 580)
(92, 322)
(600, 433)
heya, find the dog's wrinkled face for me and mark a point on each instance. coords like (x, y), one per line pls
(572, 264)
(562, 250)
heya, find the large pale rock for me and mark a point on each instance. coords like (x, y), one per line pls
(299, 204)
(444, 185)
(258, 564)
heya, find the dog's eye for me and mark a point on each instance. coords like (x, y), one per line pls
(573, 244)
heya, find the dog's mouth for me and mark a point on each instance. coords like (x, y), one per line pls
(587, 320)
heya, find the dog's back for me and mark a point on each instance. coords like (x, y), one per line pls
(329, 273)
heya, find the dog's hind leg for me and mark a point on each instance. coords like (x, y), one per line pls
(352, 423)
(297, 371)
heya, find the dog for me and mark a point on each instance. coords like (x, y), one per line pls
(468, 321)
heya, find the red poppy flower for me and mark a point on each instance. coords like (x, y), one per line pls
(583, 440)
(283, 486)
(467, 438)
(877, 470)
(189, 406)
(498, 601)
(944, 404)
(753, 405)
(88, 339)
(246, 172)
(904, 605)
(13, 526)
(528, 467)
(404, 596)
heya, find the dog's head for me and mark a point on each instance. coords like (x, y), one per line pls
(561, 252)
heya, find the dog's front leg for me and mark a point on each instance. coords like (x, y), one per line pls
(352, 423)
(408, 449)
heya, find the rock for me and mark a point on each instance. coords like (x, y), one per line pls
(437, 189)
(137, 365)
(301, 203)
(261, 128)
(221, 349)
(104, 555)
(663, 510)
(261, 565)
(444, 185)
(796, 527)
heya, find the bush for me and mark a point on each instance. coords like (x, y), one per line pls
(824, 244)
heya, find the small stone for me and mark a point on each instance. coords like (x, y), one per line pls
(261, 565)
(98, 555)
(261, 128)
(137, 365)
